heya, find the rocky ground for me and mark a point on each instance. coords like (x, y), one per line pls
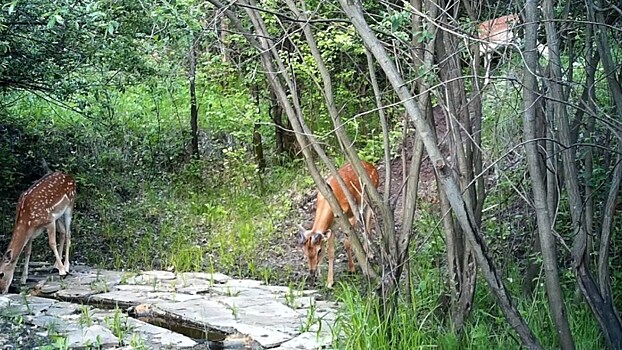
(161, 310)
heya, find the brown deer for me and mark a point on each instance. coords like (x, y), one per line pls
(494, 34)
(50, 199)
(312, 240)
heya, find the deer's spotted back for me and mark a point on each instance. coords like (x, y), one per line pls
(53, 192)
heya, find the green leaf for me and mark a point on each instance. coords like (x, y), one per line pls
(12, 6)
(51, 22)
(111, 28)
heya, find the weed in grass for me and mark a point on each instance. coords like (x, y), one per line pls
(154, 284)
(58, 343)
(97, 344)
(125, 277)
(99, 285)
(25, 301)
(235, 311)
(291, 296)
(85, 319)
(311, 320)
(266, 274)
(18, 319)
(232, 292)
(187, 257)
(118, 324)
(137, 343)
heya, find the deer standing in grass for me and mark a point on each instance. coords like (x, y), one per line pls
(494, 34)
(312, 240)
(50, 199)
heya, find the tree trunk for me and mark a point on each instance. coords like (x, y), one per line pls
(602, 305)
(537, 176)
(222, 40)
(260, 160)
(462, 143)
(194, 123)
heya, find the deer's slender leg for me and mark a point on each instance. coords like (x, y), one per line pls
(51, 228)
(27, 251)
(60, 230)
(68, 236)
(331, 260)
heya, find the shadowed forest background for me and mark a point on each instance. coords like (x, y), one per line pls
(200, 133)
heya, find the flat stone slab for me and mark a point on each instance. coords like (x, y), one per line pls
(96, 335)
(206, 313)
(237, 313)
(265, 336)
(306, 341)
(158, 336)
(135, 297)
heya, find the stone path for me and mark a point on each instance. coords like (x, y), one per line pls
(163, 310)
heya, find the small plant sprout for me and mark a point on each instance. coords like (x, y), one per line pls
(85, 316)
(311, 320)
(290, 296)
(232, 292)
(137, 343)
(154, 284)
(212, 271)
(118, 324)
(125, 277)
(184, 280)
(26, 302)
(234, 310)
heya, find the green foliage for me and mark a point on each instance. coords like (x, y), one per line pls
(117, 323)
(50, 46)
(424, 324)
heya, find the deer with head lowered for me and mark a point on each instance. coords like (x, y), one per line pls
(47, 201)
(312, 240)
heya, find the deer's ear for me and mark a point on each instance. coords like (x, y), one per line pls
(302, 237)
(317, 238)
(328, 235)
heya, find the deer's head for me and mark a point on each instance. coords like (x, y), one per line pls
(311, 244)
(7, 268)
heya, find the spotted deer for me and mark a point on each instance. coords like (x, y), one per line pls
(495, 34)
(47, 201)
(312, 240)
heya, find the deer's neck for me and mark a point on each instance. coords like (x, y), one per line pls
(323, 216)
(21, 236)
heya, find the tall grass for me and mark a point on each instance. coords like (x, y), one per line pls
(425, 323)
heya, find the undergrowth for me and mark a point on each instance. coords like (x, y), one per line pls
(424, 323)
